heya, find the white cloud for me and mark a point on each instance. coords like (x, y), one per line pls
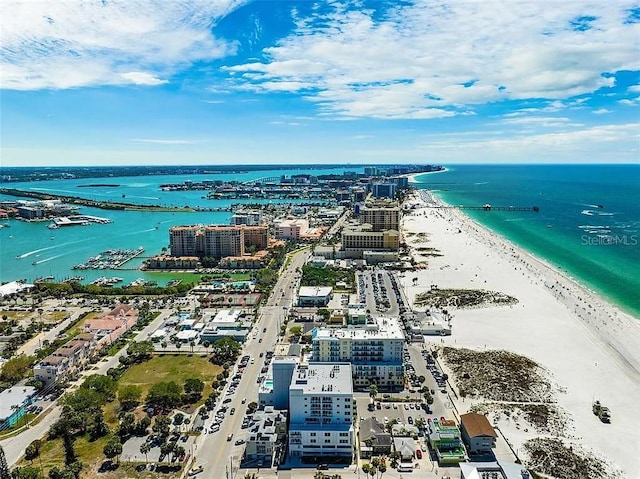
(634, 88)
(143, 78)
(67, 44)
(431, 60)
(630, 101)
(601, 111)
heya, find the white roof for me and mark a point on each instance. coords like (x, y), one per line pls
(159, 333)
(13, 287)
(227, 316)
(14, 396)
(327, 378)
(383, 328)
(315, 291)
(187, 334)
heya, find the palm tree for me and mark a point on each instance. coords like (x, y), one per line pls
(164, 345)
(373, 391)
(192, 343)
(144, 449)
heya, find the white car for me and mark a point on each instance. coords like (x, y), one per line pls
(195, 470)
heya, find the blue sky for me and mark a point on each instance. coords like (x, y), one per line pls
(230, 81)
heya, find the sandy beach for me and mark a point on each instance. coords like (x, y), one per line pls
(589, 348)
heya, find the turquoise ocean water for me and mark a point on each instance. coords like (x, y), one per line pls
(31, 250)
(588, 224)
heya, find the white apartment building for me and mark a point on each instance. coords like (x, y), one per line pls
(374, 351)
(292, 229)
(321, 410)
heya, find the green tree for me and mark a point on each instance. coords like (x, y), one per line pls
(129, 396)
(373, 391)
(166, 449)
(165, 394)
(178, 419)
(113, 448)
(224, 350)
(252, 406)
(26, 472)
(99, 428)
(17, 368)
(104, 385)
(193, 388)
(61, 473)
(140, 351)
(69, 450)
(161, 425)
(32, 450)
(144, 449)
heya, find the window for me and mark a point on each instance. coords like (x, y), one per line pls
(327, 434)
(313, 434)
(327, 441)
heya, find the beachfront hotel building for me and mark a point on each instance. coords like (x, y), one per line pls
(358, 239)
(321, 410)
(381, 215)
(374, 351)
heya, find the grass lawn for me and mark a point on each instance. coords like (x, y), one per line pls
(89, 452)
(54, 316)
(17, 315)
(171, 368)
(158, 369)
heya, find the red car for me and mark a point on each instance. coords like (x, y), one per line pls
(419, 454)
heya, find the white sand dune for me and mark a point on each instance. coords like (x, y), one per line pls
(590, 348)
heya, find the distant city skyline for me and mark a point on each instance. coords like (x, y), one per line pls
(274, 82)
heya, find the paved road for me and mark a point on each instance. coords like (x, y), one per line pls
(219, 457)
(35, 343)
(14, 447)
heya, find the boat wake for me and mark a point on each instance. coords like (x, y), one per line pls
(587, 212)
(48, 259)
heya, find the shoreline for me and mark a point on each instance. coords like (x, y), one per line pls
(579, 282)
(412, 177)
(590, 347)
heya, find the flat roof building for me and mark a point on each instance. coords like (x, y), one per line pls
(374, 351)
(321, 410)
(314, 295)
(13, 403)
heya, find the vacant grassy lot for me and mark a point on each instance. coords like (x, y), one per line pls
(17, 315)
(171, 368)
(158, 369)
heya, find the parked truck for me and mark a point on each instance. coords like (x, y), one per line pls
(602, 412)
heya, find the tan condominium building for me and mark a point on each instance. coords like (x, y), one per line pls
(221, 241)
(183, 240)
(216, 241)
(381, 215)
(357, 240)
(257, 236)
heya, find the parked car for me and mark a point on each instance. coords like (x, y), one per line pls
(195, 470)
